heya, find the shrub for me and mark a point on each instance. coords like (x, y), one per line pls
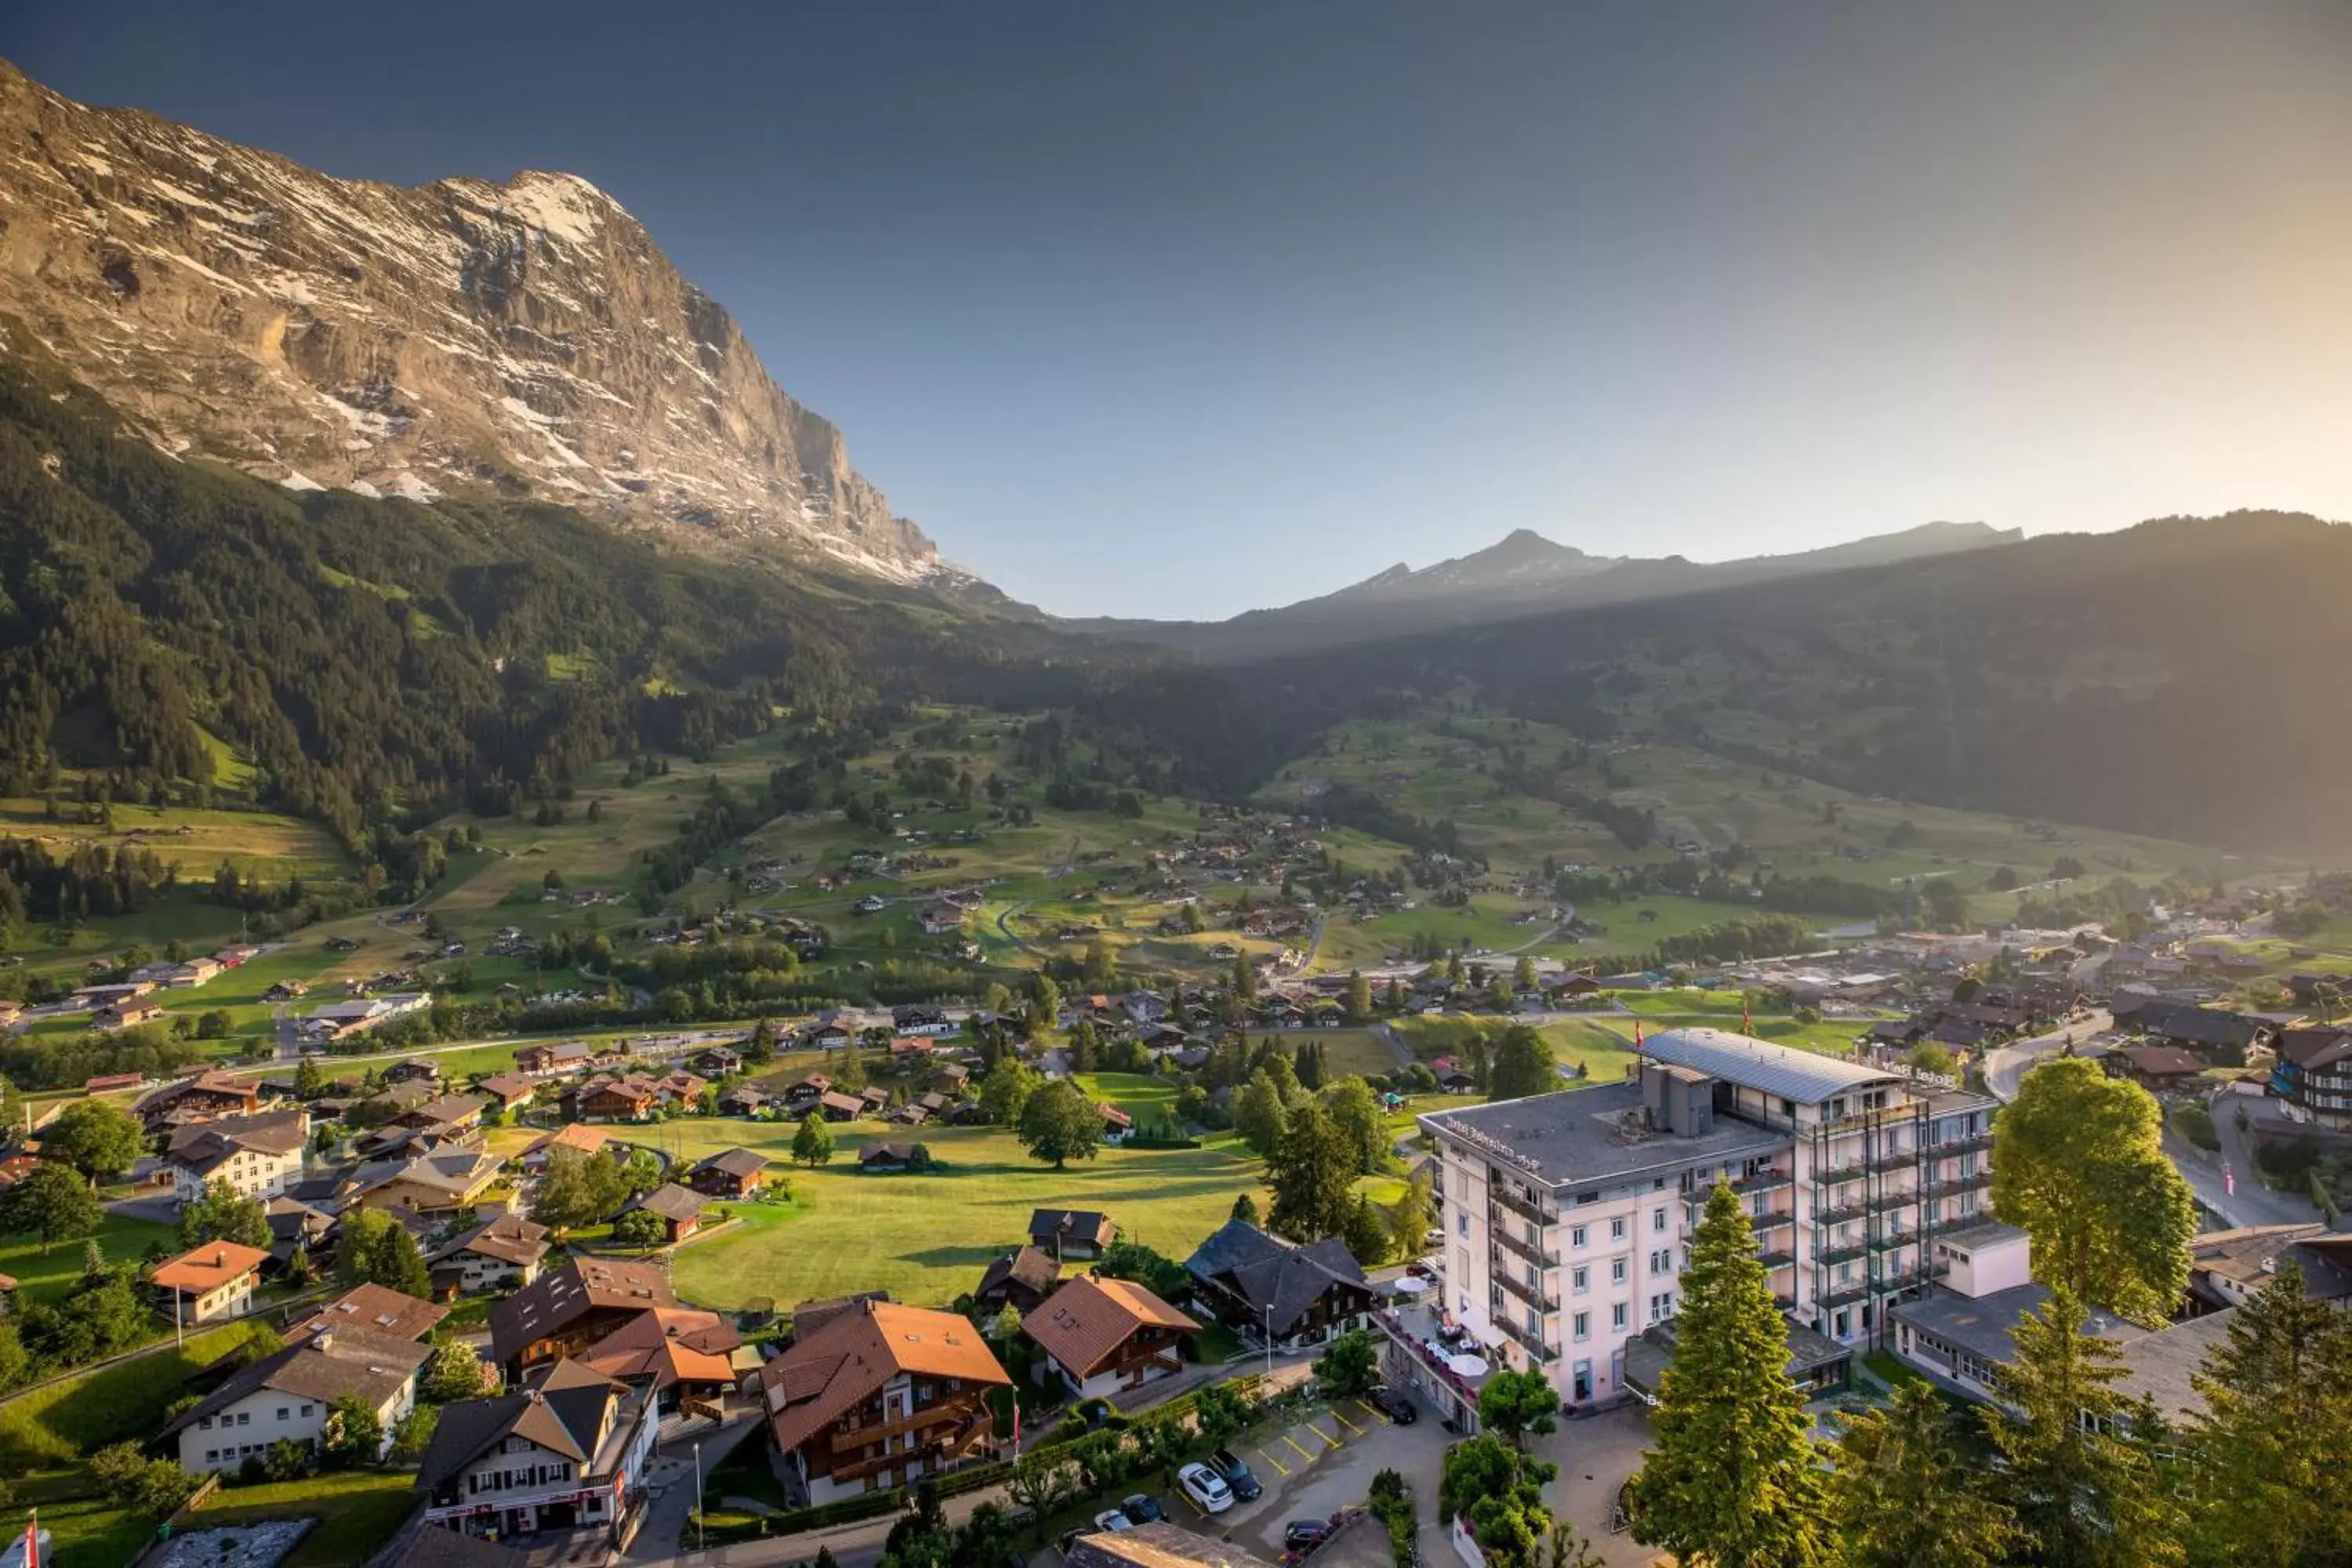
(2195, 1124)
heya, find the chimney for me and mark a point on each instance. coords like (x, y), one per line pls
(324, 1340)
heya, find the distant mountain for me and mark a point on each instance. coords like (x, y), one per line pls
(465, 338)
(1522, 575)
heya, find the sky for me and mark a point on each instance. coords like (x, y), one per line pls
(1180, 310)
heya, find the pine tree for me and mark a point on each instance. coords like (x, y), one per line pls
(2274, 1442)
(1732, 1480)
(1359, 997)
(1522, 1065)
(2086, 1494)
(1903, 1497)
(1303, 1062)
(1366, 1233)
(849, 1073)
(1313, 1174)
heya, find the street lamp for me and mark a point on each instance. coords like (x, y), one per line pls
(700, 1544)
(1269, 1342)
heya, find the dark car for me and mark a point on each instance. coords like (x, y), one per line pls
(1143, 1509)
(1394, 1404)
(1238, 1477)
(1304, 1535)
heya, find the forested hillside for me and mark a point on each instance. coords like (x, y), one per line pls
(2177, 678)
(362, 661)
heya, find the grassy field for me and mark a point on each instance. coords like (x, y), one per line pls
(44, 1275)
(358, 1511)
(926, 1239)
(65, 1420)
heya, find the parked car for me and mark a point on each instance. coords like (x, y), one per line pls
(1206, 1487)
(1143, 1509)
(1304, 1535)
(1112, 1520)
(1394, 1404)
(1238, 1476)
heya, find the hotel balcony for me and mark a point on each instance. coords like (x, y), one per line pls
(1772, 1221)
(1906, 1198)
(1528, 1341)
(1530, 1251)
(1844, 1252)
(1533, 1295)
(1973, 1143)
(1974, 1181)
(1527, 1209)
(1777, 1258)
(1894, 1239)
(1897, 1160)
(1841, 1214)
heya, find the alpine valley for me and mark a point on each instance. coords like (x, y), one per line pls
(365, 503)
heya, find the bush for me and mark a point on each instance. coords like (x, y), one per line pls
(2195, 1124)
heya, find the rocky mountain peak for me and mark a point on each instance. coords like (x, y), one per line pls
(524, 337)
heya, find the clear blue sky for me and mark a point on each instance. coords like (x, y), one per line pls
(1177, 310)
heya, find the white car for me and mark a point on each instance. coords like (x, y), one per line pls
(1112, 1520)
(1206, 1487)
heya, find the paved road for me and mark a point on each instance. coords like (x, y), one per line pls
(2250, 1202)
(2005, 1065)
(670, 1481)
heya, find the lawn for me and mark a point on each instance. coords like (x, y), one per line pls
(90, 1532)
(44, 1275)
(62, 1421)
(926, 1239)
(358, 1511)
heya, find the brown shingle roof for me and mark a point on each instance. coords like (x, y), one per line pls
(510, 1238)
(589, 1285)
(377, 1308)
(1084, 1321)
(673, 1202)
(851, 1356)
(740, 1163)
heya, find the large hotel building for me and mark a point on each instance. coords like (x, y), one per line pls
(1567, 1216)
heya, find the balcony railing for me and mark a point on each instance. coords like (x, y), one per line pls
(1528, 1341)
(1839, 1214)
(1502, 1198)
(1746, 1186)
(1892, 1239)
(1975, 1142)
(1777, 1259)
(1953, 1184)
(1907, 1198)
(1844, 1252)
(1772, 1221)
(1532, 1294)
(1894, 1160)
(1528, 1250)
(1831, 1175)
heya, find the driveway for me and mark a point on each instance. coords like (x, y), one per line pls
(2004, 1065)
(669, 1483)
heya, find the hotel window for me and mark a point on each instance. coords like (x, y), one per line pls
(1617, 1228)
(1617, 1316)
(1616, 1271)
(1583, 1325)
(1658, 1219)
(1576, 1236)
(1579, 1279)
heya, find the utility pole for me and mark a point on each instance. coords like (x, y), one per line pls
(700, 1544)
(1269, 1342)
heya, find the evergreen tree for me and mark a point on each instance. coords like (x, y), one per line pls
(1245, 978)
(1413, 1216)
(1259, 1113)
(1245, 1208)
(2086, 1494)
(1084, 1046)
(2274, 1442)
(1366, 1233)
(813, 1143)
(849, 1073)
(1731, 1480)
(1356, 1110)
(1304, 1063)
(1903, 1496)
(1359, 997)
(761, 1048)
(309, 1079)
(1313, 1174)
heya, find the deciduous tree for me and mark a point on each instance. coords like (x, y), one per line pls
(1518, 1404)
(1060, 1124)
(52, 1204)
(1351, 1365)
(813, 1143)
(2079, 1162)
(1521, 1065)
(95, 1138)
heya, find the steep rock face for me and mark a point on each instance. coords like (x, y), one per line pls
(527, 337)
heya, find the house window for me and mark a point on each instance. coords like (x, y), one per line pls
(1461, 1222)
(283, 1413)
(307, 1409)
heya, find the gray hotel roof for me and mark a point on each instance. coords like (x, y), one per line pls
(1576, 1136)
(1803, 1075)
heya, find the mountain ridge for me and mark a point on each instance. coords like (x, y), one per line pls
(524, 337)
(1521, 574)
